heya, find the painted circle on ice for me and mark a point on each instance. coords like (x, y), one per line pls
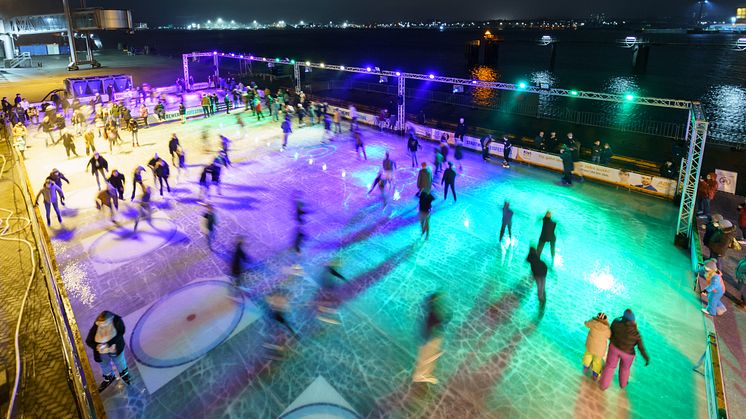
(120, 245)
(320, 410)
(167, 335)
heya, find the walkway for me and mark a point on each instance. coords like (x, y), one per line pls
(196, 352)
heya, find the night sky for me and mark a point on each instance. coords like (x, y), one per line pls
(186, 11)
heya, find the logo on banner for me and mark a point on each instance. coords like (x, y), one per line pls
(726, 180)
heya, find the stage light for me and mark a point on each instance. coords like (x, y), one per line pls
(398, 74)
(308, 63)
(629, 97)
(214, 53)
(292, 61)
(342, 67)
(322, 65)
(277, 60)
(473, 82)
(573, 92)
(368, 69)
(522, 84)
(432, 76)
(251, 57)
(240, 56)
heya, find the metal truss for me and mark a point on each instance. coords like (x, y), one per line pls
(607, 97)
(401, 115)
(697, 137)
(296, 75)
(28, 25)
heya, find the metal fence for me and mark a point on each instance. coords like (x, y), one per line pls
(535, 108)
(37, 391)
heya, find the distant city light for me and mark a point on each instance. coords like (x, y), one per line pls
(220, 20)
(546, 40)
(733, 20)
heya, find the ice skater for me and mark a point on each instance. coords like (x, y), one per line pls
(485, 142)
(68, 140)
(507, 222)
(173, 144)
(162, 173)
(106, 338)
(237, 262)
(437, 162)
(50, 192)
(507, 149)
(99, 167)
(715, 288)
(547, 235)
(413, 144)
(624, 338)
(425, 207)
(359, 144)
(287, 129)
(144, 210)
(424, 180)
(460, 131)
(180, 163)
(596, 342)
(449, 179)
(134, 128)
(300, 221)
(137, 180)
(433, 330)
(277, 306)
(539, 272)
(117, 181)
(567, 165)
(211, 221)
(108, 198)
(326, 299)
(57, 177)
(459, 152)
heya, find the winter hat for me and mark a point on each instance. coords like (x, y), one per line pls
(725, 224)
(716, 218)
(711, 264)
(601, 316)
(628, 315)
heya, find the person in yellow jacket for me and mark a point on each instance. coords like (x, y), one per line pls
(595, 345)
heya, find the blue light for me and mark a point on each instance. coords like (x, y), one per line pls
(398, 74)
(368, 69)
(473, 82)
(432, 76)
(522, 85)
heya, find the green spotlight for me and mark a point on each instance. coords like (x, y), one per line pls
(630, 97)
(573, 92)
(522, 84)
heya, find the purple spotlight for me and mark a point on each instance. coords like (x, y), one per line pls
(214, 53)
(398, 74)
(368, 69)
(251, 57)
(240, 56)
(473, 82)
(432, 76)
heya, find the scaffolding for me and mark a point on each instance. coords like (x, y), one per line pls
(696, 123)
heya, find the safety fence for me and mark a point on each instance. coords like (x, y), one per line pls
(52, 374)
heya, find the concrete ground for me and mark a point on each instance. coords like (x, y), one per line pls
(198, 349)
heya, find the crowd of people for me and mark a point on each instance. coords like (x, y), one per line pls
(615, 343)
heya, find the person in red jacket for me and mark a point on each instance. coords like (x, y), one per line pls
(703, 195)
(742, 220)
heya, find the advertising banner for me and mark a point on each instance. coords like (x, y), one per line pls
(726, 180)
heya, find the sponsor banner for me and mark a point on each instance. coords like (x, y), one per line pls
(726, 180)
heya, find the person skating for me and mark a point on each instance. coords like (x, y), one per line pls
(134, 128)
(227, 102)
(182, 113)
(437, 162)
(567, 165)
(90, 146)
(327, 298)
(359, 144)
(117, 181)
(173, 144)
(624, 338)
(57, 177)
(539, 272)
(162, 173)
(596, 342)
(68, 141)
(106, 338)
(151, 165)
(460, 130)
(20, 145)
(137, 180)
(425, 207)
(507, 149)
(388, 165)
(548, 227)
(215, 171)
(507, 222)
(205, 106)
(433, 330)
(459, 152)
(449, 180)
(20, 133)
(444, 147)
(144, 210)
(413, 144)
(238, 260)
(300, 221)
(181, 165)
(424, 180)
(99, 167)
(715, 288)
(286, 130)
(337, 118)
(108, 198)
(485, 142)
(50, 191)
(211, 221)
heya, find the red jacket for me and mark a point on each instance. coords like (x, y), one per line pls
(742, 216)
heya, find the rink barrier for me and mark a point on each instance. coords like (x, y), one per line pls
(651, 185)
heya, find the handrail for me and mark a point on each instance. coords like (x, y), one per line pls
(79, 370)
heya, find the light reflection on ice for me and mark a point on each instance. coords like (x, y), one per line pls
(603, 279)
(76, 283)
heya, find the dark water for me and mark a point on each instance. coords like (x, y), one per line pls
(682, 66)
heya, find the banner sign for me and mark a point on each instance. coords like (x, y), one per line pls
(726, 180)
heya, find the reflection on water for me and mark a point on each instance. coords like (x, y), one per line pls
(482, 96)
(727, 111)
(544, 79)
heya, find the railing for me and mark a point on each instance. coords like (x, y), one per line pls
(717, 406)
(24, 60)
(80, 375)
(532, 109)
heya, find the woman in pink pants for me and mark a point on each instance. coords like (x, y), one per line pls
(624, 338)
